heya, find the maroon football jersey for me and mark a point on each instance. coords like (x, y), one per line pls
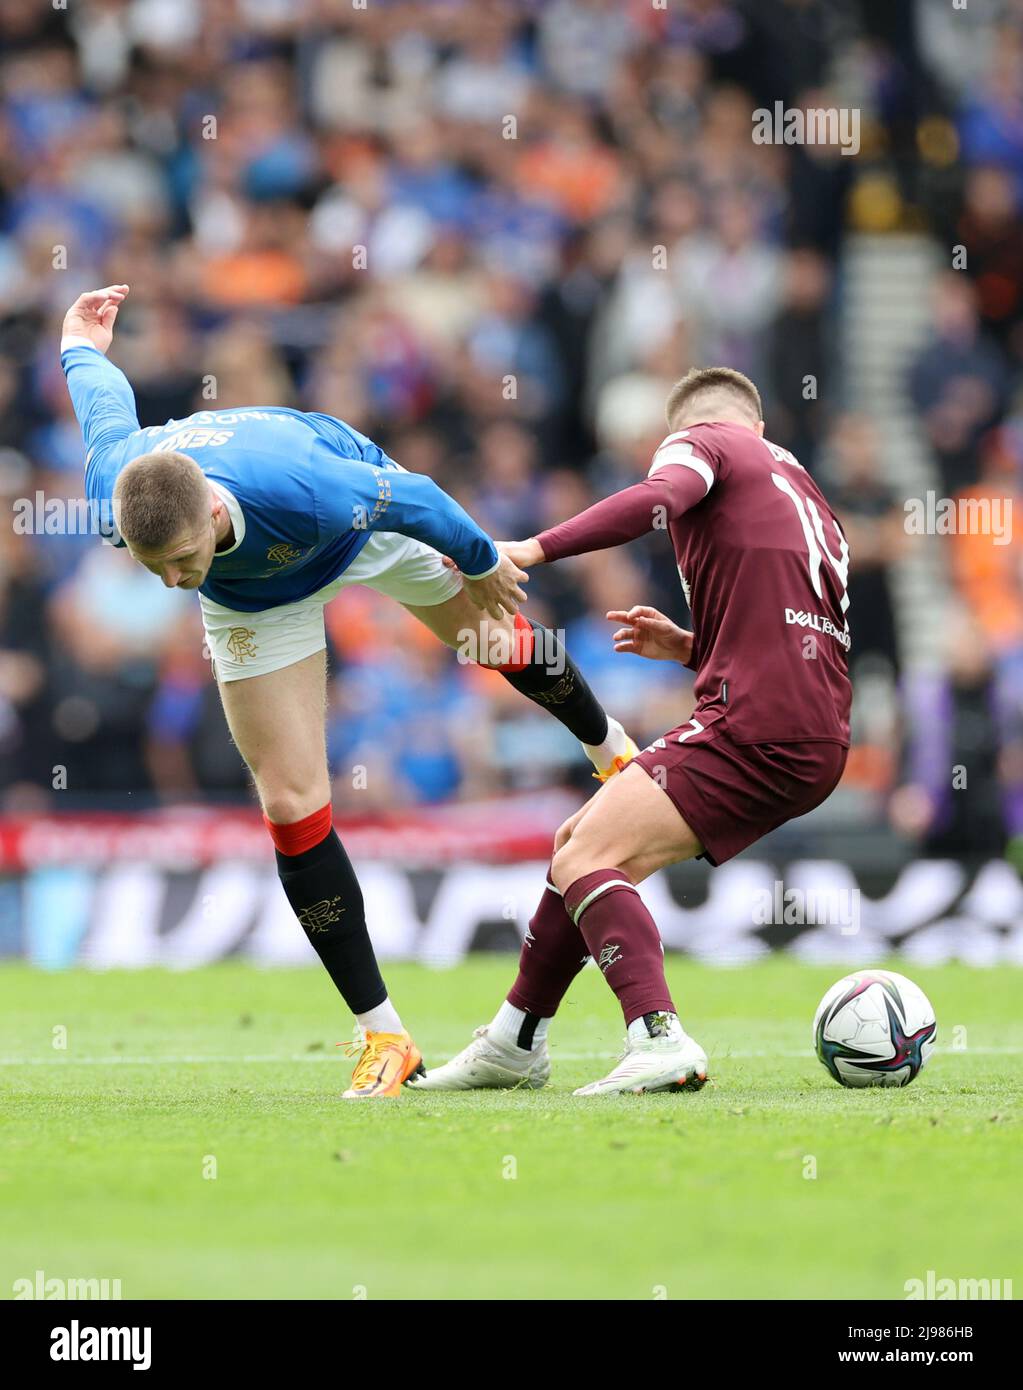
(764, 565)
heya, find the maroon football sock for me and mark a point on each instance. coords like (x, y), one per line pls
(552, 955)
(623, 939)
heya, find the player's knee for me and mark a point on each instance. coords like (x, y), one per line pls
(570, 863)
(284, 804)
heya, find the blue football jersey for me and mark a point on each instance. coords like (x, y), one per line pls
(310, 490)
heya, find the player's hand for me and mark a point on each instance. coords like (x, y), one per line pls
(499, 592)
(92, 315)
(646, 632)
(522, 553)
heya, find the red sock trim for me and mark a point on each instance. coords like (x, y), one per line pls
(522, 645)
(301, 835)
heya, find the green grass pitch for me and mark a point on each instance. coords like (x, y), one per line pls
(107, 1146)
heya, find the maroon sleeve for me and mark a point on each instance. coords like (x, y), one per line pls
(625, 515)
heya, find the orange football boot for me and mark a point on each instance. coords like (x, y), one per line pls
(386, 1062)
(618, 764)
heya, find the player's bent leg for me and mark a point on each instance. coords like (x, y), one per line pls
(630, 830)
(277, 721)
(631, 824)
(534, 661)
(512, 1049)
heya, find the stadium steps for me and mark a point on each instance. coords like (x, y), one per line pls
(886, 290)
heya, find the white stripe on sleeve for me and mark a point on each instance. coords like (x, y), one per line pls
(674, 450)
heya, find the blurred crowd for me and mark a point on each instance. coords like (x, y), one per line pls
(490, 235)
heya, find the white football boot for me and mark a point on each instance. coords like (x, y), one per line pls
(489, 1062)
(659, 1056)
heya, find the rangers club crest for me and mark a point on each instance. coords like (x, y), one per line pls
(320, 915)
(240, 644)
(283, 554)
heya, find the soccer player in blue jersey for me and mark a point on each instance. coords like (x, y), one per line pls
(269, 513)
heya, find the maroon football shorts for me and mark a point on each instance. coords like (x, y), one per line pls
(732, 794)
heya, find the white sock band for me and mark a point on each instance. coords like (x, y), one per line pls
(507, 1026)
(601, 888)
(383, 1019)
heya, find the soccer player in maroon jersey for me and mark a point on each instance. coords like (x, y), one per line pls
(764, 565)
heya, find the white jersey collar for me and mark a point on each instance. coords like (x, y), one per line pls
(236, 514)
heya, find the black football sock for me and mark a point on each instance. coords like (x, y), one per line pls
(551, 679)
(321, 886)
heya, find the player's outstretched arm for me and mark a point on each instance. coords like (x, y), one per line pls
(385, 499)
(100, 392)
(624, 516)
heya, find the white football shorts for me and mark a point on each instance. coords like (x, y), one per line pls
(253, 644)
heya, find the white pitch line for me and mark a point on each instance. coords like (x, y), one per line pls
(556, 1056)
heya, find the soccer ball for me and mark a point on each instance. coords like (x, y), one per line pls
(874, 1028)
